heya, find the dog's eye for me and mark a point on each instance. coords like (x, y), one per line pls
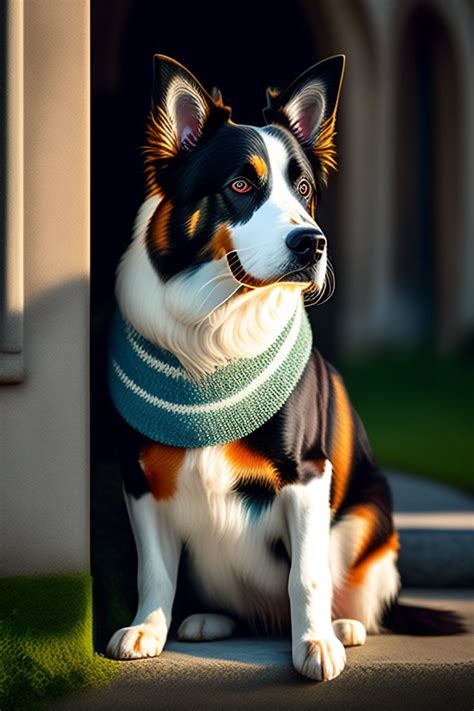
(241, 186)
(304, 189)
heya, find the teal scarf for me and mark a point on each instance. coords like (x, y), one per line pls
(156, 395)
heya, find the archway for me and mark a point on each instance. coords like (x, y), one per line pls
(426, 175)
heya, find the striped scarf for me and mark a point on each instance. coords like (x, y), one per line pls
(157, 396)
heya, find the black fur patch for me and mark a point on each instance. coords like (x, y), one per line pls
(129, 444)
(200, 180)
(291, 439)
(425, 621)
(278, 549)
(256, 497)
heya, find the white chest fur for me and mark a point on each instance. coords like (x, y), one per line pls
(230, 544)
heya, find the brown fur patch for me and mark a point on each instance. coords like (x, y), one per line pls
(359, 572)
(158, 229)
(259, 164)
(341, 444)
(136, 646)
(193, 221)
(368, 516)
(161, 463)
(250, 466)
(221, 242)
(319, 465)
(162, 145)
(324, 148)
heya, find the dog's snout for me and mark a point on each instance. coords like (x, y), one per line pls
(307, 243)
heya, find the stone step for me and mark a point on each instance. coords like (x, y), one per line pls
(390, 672)
(436, 527)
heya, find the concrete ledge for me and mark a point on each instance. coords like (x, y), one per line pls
(436, 526)
(434, 558)
(415, 494)
(390, 672)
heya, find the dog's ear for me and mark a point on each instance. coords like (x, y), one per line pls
(182, 111)
(308, 109)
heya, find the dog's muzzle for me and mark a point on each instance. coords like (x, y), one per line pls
(307, 244)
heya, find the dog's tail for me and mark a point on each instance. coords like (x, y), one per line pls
(415, 620)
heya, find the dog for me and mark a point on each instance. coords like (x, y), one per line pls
(238, 440)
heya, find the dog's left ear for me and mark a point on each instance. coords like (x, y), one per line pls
(308, 109)
(182, 110)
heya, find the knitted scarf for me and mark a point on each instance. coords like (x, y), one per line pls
(156, 395)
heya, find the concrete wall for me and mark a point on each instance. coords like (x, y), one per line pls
(11, 193)
(44, 450)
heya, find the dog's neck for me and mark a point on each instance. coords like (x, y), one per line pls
(243, 325)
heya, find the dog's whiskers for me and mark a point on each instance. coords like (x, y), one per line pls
(217, 305)
(314, 296)
(217, 277)
(240, 271)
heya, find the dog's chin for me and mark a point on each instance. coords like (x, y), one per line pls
(300, 276)
(194, 295)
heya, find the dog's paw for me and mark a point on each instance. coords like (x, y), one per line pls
(136, 642)
(319, 659)
(197, 628)
(350, 632)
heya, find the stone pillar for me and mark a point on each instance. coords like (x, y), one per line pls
(44, 421)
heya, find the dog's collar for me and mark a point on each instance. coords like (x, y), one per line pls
(156, 395)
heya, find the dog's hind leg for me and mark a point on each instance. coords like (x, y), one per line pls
(370, 587)
(207, 626)
(158, 550)
(363, 564)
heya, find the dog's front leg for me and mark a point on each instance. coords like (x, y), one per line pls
(158, 549)
(317, 653)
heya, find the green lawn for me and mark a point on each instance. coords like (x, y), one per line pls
(419, 413)
(46, 641)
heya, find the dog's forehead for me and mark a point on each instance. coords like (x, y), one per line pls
(278, 152)
(272, 148)
(284, 150)
(224, 155)
(266, 156)
(268, 149)
(235, 144)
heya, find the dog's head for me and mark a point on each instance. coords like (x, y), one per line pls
(241, 195)
(227, 242)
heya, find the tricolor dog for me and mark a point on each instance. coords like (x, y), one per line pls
(239, 441)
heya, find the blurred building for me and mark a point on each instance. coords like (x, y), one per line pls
(405, 195)
(399, 214)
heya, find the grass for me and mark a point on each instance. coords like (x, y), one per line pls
(46, 641)
(419, 413)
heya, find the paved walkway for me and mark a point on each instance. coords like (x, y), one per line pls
(390, 673)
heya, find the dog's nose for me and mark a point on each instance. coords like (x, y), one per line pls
(308, 244)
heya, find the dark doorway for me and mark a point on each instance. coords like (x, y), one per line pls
(426, 159)
(241, 49)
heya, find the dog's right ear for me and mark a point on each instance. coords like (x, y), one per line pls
(182, 110)
(308, 109)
